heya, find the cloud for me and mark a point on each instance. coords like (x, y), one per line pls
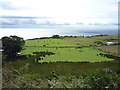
(36, 22)
(59, 12)
(7, 6)
(19, 21)
(79, 23)
(24, 17)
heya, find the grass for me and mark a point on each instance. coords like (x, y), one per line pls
(100, 78)
(28, 68)
(80, 40)
(107, 37)
(47, 42)
(62, 55)
(112, 49)
(97, 79)
(67, 63)
(68, 54)
(86, 41)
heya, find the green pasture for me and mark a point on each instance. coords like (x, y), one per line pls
(86, 41)
(112, 49)
(68, 54)
(106, 37)
(72, 41)
(47, 42)
(67, 61)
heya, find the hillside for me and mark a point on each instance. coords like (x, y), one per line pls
(60, 63)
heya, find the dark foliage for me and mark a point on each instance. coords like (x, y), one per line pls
(56, 36)
(110, 56)
(41, 54)
(12, 45)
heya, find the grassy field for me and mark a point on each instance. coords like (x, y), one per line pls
(47, 42)
(80, 40)
(86, 41)
(112, 49)
(107, 37)
(66, 62)
(68, 54)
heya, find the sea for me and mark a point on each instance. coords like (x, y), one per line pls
(30, 33)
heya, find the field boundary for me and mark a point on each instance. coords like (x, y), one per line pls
(107, 52)
(56, 46)
(61, 46)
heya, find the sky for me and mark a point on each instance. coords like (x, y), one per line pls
(58, 13)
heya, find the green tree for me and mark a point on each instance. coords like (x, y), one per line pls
(56, 36)
(12, 45)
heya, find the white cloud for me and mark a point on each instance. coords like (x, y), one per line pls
(65, 11)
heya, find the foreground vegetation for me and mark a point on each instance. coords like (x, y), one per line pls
(105, 78)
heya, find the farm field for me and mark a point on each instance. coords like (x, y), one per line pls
(47, 42)
(68, 54)
(107, 37)
(112, 49)
(69, 60)
(64, 54)
(86, 41)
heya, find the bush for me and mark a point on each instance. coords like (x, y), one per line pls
(56, 36)
(103, 79)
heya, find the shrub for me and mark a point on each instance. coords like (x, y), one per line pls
(103, 79)
(56, 36)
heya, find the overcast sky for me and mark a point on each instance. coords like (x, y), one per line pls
(58, 13)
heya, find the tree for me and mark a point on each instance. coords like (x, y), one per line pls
(12, 45)
(56, 36)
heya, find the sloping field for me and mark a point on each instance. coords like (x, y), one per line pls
(68, 54)
(65, 54)
(25, 68)
(107, 37)
(86, 41)
(112, 49)
(81, 40)
(47, 42)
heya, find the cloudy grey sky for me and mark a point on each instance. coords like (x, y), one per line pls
(58, 13)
